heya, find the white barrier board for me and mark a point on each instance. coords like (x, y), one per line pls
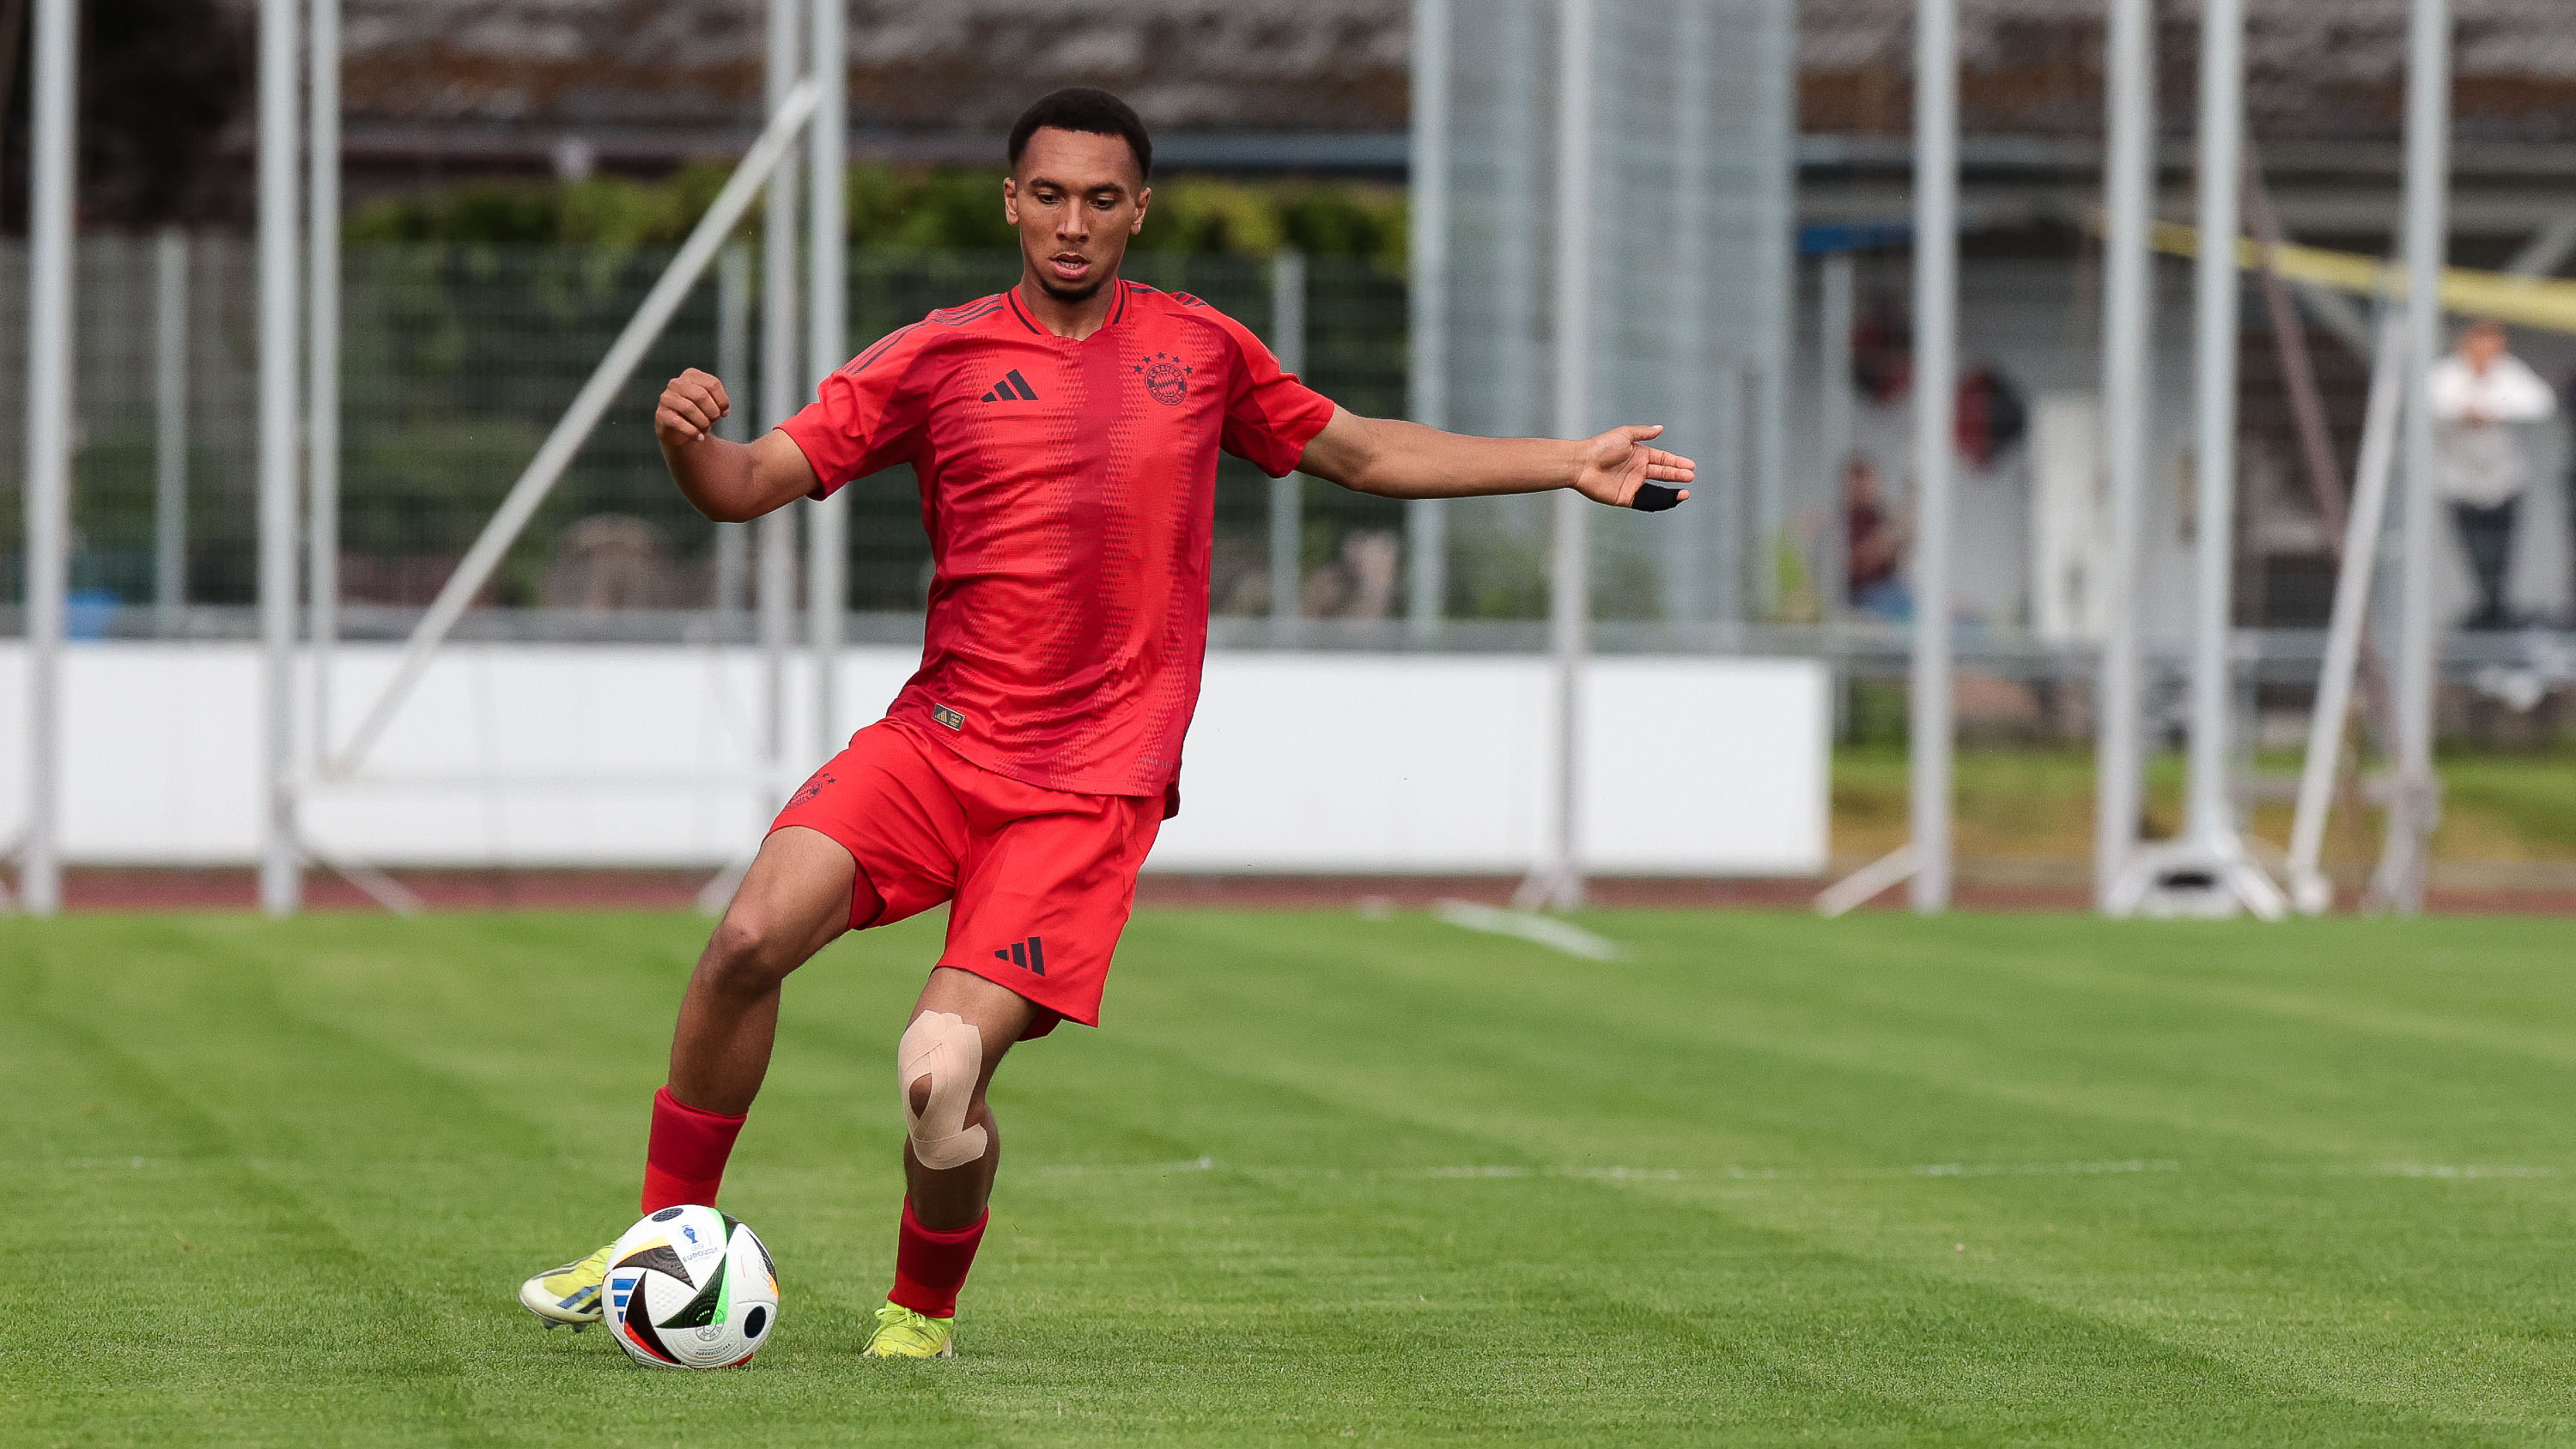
(609, 755)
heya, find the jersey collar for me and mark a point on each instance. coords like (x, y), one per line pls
(1117, 311)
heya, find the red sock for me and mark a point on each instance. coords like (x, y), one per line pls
(684, 1159)
(930, 1266)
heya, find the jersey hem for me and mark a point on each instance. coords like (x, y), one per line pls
(1006, 769)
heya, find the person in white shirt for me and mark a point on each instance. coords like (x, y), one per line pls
(2480, 392)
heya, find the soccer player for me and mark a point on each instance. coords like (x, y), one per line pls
(1065, 435)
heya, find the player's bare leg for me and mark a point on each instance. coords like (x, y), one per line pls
(792, 902)
(951, 1199)
(949, 1155)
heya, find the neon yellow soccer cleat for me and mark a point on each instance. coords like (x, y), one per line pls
(902, 1333)
(569, 1294)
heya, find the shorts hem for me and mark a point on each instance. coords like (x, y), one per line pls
(858, 870)
(1018, 984)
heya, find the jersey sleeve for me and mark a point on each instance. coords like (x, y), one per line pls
(1270, 416)
(867, 415)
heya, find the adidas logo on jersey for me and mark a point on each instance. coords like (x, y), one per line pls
(1012, 388)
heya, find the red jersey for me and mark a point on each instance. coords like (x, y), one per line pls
(1070, 493)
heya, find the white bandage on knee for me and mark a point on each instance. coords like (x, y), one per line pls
(941, 1046)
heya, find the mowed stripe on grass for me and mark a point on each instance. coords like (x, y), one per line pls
(1880, 1180)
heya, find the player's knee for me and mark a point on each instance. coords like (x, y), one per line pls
(938, 1066)
(747, 955)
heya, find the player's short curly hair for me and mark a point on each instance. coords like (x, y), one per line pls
(1090, 110)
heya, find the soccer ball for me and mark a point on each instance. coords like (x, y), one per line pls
(690, 1288)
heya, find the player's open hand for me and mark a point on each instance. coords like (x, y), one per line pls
(1620, 470)
(690, 406)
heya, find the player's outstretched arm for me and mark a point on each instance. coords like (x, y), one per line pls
(727, 481)
(1396, 459)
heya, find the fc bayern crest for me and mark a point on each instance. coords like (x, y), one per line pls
(1166, 377)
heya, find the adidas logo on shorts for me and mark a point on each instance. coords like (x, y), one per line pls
(1028, 955)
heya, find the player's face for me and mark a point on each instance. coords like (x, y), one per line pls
(1076, 198)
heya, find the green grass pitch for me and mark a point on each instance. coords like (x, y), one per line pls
(1767, 1180)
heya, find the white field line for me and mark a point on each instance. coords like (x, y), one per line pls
(1548, 931)
(1588, 1173)
(2429, 1169)
(1782, 1174)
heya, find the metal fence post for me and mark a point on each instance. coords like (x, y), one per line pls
(1559, 882)
(2128, 279)
(54, 62)
(170, 431)
(1682, 543)
(2405, 861)
(1775, 292)
(322, 358)
(280, 873)
(781, 393)
(1936, 320)
(1836, 286)
(733, 365)
(1287, 495)
(2208, 809)
(1426, 544)
(827, 347)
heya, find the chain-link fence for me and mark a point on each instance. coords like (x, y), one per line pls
(459, 358)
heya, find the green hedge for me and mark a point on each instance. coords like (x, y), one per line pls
(910, 209)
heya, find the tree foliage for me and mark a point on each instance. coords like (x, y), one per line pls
(901, 209)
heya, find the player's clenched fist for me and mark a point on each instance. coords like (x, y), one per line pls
(691, 403)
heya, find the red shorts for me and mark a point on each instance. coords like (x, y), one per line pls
(1043, 880)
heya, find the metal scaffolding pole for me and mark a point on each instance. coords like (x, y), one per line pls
(1936, 363)
(827, 260)
(2310, 889)
(52, 171)
(2127, 292)
(1287, 495)
(280, 874)
(1426, 544)
(782, 391)
(170, 431)
(322, 359)
(2416, 806)
(1558, 882)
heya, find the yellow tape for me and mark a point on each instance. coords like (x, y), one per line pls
(2543, 302)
